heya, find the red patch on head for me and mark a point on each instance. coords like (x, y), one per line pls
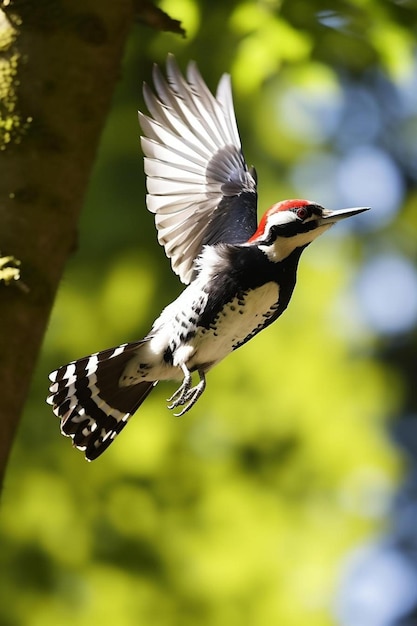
(285, 205)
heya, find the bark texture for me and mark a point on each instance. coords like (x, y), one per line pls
(60, 62)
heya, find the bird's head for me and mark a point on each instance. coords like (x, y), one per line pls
(294, 224)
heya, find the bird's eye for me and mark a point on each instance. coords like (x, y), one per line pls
(302, 213)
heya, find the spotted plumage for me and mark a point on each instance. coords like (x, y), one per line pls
(239, 275)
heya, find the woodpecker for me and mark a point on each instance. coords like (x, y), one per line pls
(239, 275)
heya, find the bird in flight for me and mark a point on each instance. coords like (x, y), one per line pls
(240, 275)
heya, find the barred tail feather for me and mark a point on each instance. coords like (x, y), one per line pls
(87, 397)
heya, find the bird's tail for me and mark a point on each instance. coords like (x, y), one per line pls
(87, 397)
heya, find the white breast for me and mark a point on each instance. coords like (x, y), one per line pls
(239, 320)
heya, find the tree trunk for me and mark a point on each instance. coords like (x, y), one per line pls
(60, 63)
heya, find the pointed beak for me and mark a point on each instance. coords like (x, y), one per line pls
(330, 217)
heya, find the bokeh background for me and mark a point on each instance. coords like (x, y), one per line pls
(288, 495)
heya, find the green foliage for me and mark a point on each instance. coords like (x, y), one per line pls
(240, 512)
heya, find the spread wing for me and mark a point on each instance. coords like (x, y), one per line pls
(199, 185)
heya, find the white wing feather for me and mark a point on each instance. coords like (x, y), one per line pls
(188, 127)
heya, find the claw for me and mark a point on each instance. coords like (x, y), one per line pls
(193, 395)
(178, 396)
(185, 394)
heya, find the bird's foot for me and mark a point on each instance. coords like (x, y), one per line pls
(192, 396)
(186, 395)
(177, 397)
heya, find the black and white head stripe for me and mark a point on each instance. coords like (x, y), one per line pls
(288, 224)
(87, 397)
(195, 167)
